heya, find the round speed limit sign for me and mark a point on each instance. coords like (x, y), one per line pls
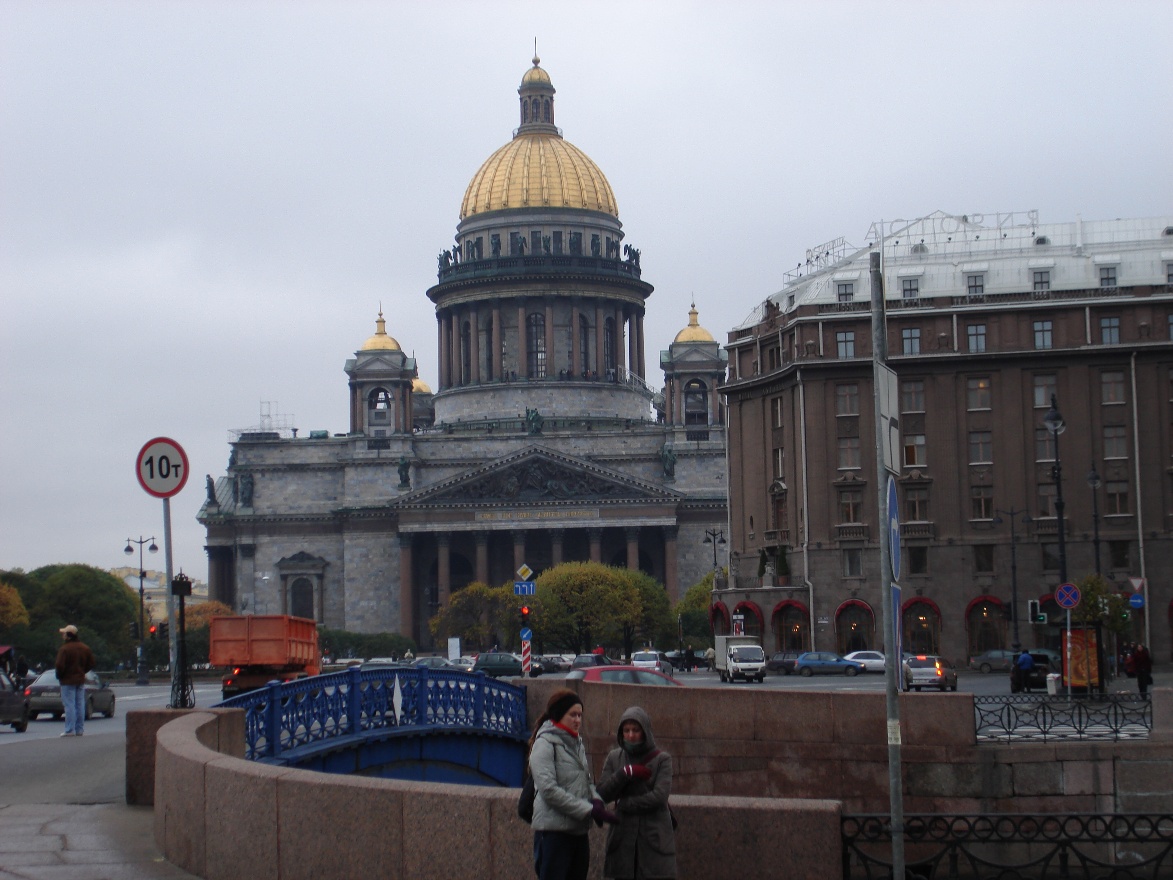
(162, 467)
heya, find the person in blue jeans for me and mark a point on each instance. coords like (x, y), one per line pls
(74, 660)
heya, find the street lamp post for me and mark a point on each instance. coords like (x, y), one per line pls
(1054, 423)
(1094, 482)
(142, 677)
(1012, 513)
(715, 537)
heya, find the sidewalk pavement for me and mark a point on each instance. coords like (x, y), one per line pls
(81, 842)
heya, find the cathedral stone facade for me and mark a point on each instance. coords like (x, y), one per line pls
(543, 441)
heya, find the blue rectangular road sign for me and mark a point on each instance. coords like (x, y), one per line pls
(523, 588)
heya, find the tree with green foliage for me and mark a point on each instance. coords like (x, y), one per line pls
(479, 615)
(341, 644)
(693, 613)
(654, 625)
(579, 604)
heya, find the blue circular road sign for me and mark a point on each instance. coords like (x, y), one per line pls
(893, 529)
(1136, 600)
(1067, 596)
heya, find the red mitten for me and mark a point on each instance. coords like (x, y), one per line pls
(637, 771)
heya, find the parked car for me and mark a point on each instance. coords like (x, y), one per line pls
(873, 661)
(464, 664)
(1046, 661)
(44, 696)
(556, 662)
(583, 660)
(432, 662)
(498, 664)
(782, 662)
(14, 705)
(652, 660)
(826, 662)
(998, 659)
(621, 675)
(929, 670)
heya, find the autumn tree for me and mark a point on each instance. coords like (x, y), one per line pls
(577, 604)
(12, 610)
(199, 616)
(653, 623)
(479, 615)
(693, 613)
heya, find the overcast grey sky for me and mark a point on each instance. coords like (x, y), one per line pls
(203, 204)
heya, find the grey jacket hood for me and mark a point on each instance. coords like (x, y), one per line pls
(640, 717)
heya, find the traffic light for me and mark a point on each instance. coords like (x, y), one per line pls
(133, 630)
(525, 615)
(163, 628)
(1034, 613)
(154, 631)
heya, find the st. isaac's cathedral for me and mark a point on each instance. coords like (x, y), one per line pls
(544, 441)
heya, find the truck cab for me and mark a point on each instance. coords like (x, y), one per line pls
(740, 657)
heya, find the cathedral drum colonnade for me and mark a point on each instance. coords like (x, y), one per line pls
(543, 441)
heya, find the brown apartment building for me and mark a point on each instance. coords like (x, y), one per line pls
(987, 318)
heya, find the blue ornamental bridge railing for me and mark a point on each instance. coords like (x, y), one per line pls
(402, 722)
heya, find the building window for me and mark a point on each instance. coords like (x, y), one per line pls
(609, 361)
(845, 342)
(1042, 279)
(912, 396)
(914, 450)
(1169, 273)
(981, 447)
(556, 242)
(1119, 555)
(1044, 445)
(1171, 321)
(847, 400)
(584, 343)
(535, 241)
(983, 558)
(696, 403)
(1042, 334)
(1050, 556)
(910, 288)
(976, 333)
(916, 504)
(853, 562)
(1115, 441)
(1112, 387)
(535, 345)
(776, 408)
(978, 393)
(1107, 276)
(1109, 331)
(848, 452)
(910, 336)
(1044, 389)
(850, 502)
(845, 292)
(1047, 500)
(918, 559)
(1116, 497)
(779, 462)
(975, 285)
(981, 502)
(576, 244)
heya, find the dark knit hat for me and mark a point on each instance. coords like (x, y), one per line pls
(560, 702)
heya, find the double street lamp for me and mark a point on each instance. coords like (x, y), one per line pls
(1053, 421)
(1012, 513)
(715, 537)
(142, 678)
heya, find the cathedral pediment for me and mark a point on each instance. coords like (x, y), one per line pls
(535, 476)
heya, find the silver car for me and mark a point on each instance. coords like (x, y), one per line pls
(652, 660)
(929, 670)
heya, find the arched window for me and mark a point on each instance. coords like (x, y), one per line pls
(465, 353)
(985, 623)
(524, 110)
(719, 619)
(535, 345)
(584, 341)
(921, 623)
(609, 345)
(301, 598)
(855, 627)
(791, 626)
(537, 105)
(379, 402)
(696, 403)
(546, 116)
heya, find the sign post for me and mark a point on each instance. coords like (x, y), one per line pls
(1067, 596)
(162, 470)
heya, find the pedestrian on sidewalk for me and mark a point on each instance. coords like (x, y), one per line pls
(74, 660)
(637, 776)
(1142, 662)
(565, 799)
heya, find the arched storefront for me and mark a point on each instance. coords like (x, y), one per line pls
(985, 625)
(791, 624)
(855, 626)
(921, 622)
(719, 619)
(750, 622)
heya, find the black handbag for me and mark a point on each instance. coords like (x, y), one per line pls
(525, 803)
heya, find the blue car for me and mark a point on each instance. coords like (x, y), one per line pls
(826, 662)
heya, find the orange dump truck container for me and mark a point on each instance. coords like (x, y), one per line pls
(258, 648)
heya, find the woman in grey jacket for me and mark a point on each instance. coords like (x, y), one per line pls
(565, 800)
(638, 777)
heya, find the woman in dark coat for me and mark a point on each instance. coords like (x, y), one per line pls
(638, 777)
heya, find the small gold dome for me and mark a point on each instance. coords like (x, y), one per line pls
(380, 341)
(536, 75)
(694, 332)
(419, 386)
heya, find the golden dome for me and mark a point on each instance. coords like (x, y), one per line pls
(380, 341)
(419, 386)
(538, 168)
(694, 332)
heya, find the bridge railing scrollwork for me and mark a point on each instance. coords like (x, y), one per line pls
(282, 719)
(1022, 718)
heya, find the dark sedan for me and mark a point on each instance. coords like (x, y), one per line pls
(14, 705)
(44, 696)
(782, 662)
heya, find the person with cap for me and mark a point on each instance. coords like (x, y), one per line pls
(74, 660)
(637, 776)
(565, 799)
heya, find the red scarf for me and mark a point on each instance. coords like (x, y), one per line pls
(562, 726)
